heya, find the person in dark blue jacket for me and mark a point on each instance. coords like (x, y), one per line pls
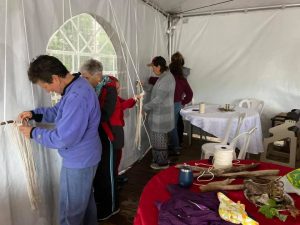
(76, 117)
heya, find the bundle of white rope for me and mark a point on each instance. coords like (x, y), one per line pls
(139, 118)
(26, 153)
(223, 156)
(125, 50)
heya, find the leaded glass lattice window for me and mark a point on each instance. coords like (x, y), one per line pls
(81, 38)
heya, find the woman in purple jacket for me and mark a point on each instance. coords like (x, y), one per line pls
(76, 117)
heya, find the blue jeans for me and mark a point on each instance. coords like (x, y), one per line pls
(174, 139)
(77, 203)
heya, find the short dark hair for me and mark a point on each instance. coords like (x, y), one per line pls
(43, 67)
(160, 61)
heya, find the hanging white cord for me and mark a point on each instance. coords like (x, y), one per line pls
(136, 39)
(70, 9)
(139, 116)
(123, 38)
(5, 75)
(139, 120)
(63, 11)
(118, 33)
(26, 154)
(27, 48)
(122, 48)
(123, 54)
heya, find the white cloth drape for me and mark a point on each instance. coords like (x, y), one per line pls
(143, 35)
(215, 122)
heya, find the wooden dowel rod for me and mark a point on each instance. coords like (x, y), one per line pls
(6, 122)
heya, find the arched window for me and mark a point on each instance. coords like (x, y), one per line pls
(81, 38)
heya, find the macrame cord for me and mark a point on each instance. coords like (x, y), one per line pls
(26, 153)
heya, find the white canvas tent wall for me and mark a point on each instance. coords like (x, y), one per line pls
(232, 55)
(26, 29)
(240, 55)
(238, 49)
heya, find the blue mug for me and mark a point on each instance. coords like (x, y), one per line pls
(185, 176)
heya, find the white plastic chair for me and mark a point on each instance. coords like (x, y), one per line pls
(246, 140)
(253, 104)
(208, 149)
(243, 150)
(280, 133)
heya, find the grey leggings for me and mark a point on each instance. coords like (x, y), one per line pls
(159, 143)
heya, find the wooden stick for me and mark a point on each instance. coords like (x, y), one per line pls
(6, 122)
(221, 186)
(237, 168)
(222, 182)
(257, 173)
(235, 187)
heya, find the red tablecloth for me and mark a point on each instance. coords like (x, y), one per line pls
(156, 190)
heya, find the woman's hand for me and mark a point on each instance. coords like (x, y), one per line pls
(138, 82)
(138, 97)
(27, 115)
(25, 130)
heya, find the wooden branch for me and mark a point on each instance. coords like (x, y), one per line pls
(222, 182)
(221, 186)
(257, 173)
(238, 168)
(234, 187)
(6, 122)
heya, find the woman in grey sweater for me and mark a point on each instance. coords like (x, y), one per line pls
(160, 112)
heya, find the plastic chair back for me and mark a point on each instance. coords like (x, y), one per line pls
(253, 104)
(224, 140)
(246, 135)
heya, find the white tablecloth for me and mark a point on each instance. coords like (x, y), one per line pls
(214, 122)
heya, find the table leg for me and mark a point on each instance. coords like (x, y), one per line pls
(190, 133)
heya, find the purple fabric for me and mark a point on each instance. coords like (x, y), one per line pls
(186, 207)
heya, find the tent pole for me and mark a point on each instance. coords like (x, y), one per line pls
(155, 7)
(238, 10)
(169, 33)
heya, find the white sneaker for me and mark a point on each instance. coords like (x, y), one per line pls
(155, 166)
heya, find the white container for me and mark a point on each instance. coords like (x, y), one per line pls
(202, 107)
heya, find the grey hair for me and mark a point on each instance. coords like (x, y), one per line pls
(92, 66)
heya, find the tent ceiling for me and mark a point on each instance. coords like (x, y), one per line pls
(202, 6)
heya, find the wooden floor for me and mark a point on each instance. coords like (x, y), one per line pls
(140, 174)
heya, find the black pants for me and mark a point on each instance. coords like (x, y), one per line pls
(105, 189)
(180, 129)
